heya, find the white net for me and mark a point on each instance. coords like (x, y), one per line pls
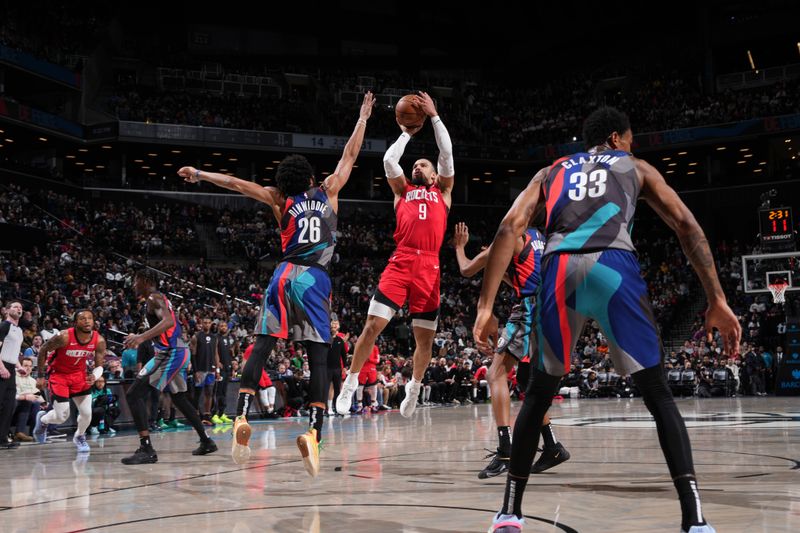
(778, 291)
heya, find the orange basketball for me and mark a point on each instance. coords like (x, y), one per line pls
(409, 113)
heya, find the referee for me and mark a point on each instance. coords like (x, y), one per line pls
(10, 344)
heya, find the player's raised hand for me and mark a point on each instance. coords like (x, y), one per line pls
(461, 237)
(366, 106)
(426, 104)
(720, 316)
(189, 174)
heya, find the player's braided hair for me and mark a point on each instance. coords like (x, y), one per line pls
(293, 175)
(602, 123)
(148, 276)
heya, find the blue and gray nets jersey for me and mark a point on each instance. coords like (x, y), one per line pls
(308, 229)
(591, 198)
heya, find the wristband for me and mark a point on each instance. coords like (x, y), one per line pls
(97, 372)
(197, 174)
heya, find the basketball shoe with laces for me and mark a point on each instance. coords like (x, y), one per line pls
(240, 450)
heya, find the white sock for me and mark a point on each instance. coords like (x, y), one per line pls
(352, 378)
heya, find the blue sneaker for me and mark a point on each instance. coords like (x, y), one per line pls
(80, 443)
(40, 429)
(506, 523)
(705, 528)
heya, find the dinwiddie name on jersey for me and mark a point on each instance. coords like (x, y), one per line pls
(592, 159)
(422, 194)
(308, 205)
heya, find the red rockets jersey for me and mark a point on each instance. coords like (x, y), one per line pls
(421, 218)
(74, 356)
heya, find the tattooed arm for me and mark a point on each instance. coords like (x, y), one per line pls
(665, 201)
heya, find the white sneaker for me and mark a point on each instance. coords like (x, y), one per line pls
(409, 403)
(700, 529)
(345, 399)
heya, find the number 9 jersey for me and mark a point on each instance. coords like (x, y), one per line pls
(591, 198)
(308, 229)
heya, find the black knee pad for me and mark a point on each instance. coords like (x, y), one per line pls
(318, 364)
(251, 373)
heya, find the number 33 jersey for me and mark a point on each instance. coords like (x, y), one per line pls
(308, 229)
(421, 219)
(591, 198)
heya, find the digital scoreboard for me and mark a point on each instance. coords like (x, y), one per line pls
(776, 225)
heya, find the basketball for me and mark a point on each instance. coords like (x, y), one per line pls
(409, 113)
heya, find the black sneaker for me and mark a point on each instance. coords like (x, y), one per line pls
(9, 445)
(205, 448)
(141, 456)
(496, 466)
(550, 457)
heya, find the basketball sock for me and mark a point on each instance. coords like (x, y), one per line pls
(548, 436)
(674, 440)
(315, 419)
(538, 397)
(691, 510)
(504, 437)
(171, 414)
(243, 404)
(352, 378)
(144, 442)
(512, 499)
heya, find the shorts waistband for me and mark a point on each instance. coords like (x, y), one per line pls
(409, 250)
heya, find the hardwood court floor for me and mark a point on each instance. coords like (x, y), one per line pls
(382, 473)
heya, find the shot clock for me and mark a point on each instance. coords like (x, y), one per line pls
(777, 228)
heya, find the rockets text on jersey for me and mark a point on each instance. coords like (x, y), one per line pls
(74, 357)
(421, 218)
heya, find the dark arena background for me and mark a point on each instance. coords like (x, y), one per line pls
(101, 104)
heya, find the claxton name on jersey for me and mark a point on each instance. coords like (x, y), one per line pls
(422, 194)
(308, 205)
(592, 159)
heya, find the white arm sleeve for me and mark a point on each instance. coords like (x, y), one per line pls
(391, 159)
(97, 372)
(445, 165)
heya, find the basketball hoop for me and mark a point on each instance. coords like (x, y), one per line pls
(778, 291)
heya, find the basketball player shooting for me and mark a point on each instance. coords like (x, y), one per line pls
(413, 274)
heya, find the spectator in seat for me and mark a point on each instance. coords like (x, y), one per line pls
(29, 401)
(105, 409)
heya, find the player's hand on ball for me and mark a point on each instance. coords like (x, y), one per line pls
(189, 174)
(426, 104)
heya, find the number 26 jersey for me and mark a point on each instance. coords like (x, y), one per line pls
(308, 229)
